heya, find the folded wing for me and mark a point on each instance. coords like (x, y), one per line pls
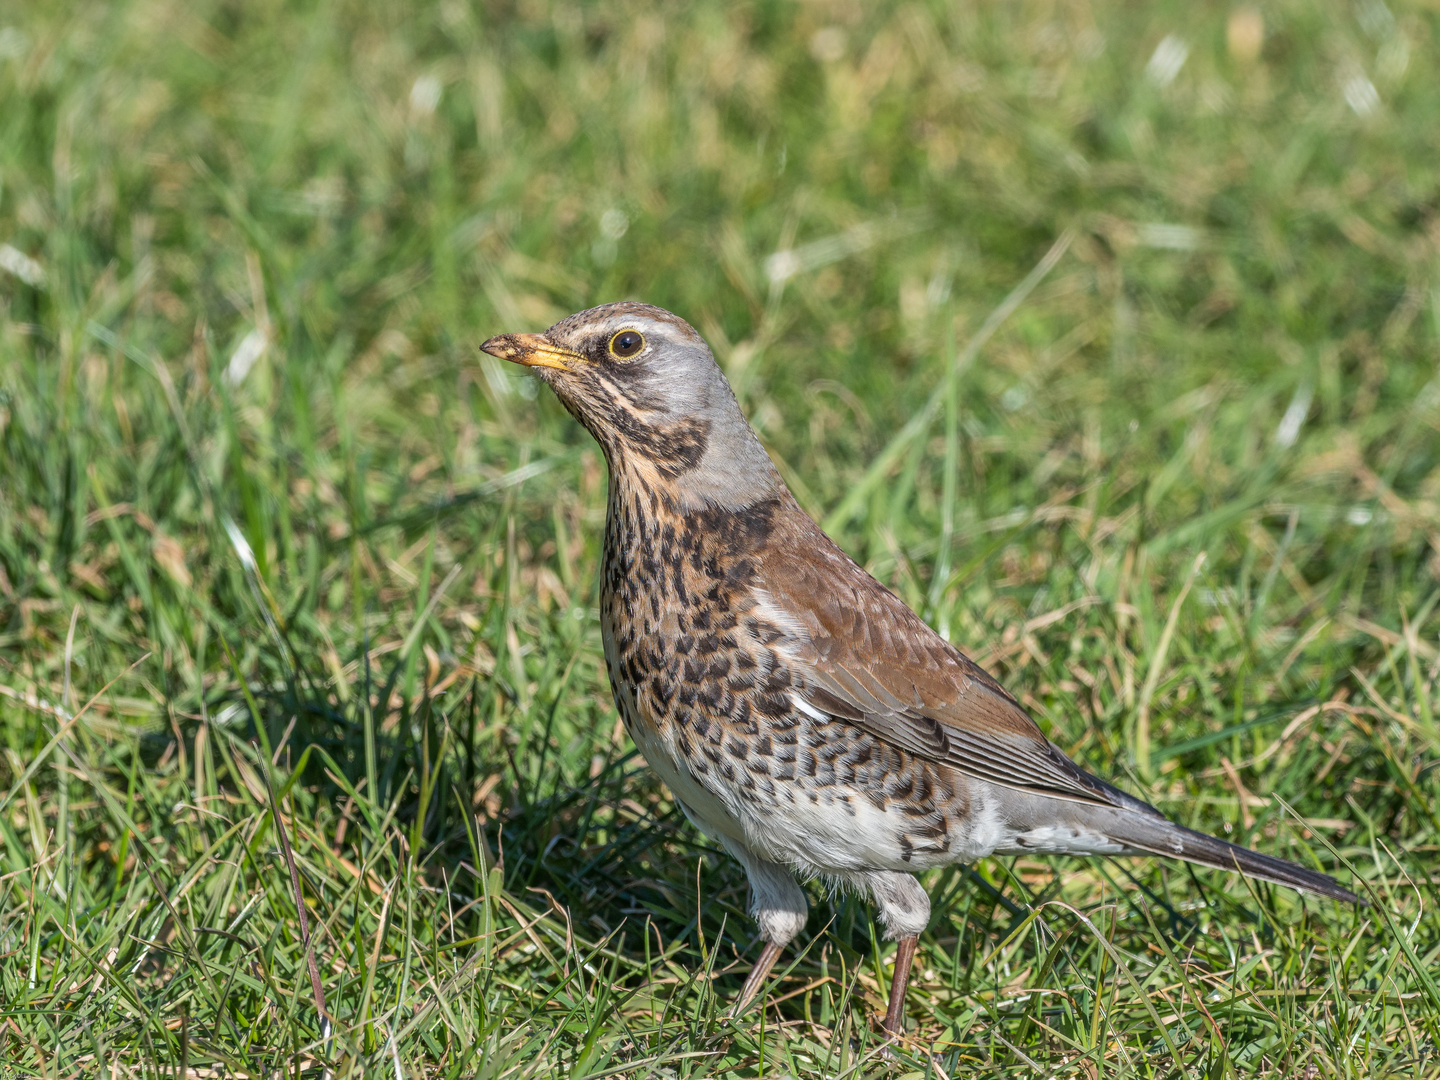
(868, 659)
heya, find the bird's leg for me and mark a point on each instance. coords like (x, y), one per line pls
(758, 974)
(905, 911)
(904, 956)
(779, 906)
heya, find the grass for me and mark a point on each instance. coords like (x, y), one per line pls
(277, 543)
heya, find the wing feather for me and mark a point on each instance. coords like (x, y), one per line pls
(868, 659)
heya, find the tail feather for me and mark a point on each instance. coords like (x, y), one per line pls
(1162, 837)
(1139, 825)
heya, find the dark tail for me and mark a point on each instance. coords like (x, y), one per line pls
(1141, 827)
(1163, 837)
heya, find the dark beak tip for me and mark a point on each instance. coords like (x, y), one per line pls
(502, 345)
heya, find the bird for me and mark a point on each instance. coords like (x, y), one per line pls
(803, 717)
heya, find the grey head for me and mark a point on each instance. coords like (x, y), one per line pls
(647, 387)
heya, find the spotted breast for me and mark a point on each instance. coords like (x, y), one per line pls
(701, 668)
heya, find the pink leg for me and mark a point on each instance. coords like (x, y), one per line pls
(758, 974)
(904, 956)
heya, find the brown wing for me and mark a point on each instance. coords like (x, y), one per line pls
(870, 660)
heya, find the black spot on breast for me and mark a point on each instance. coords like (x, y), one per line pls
(742, 530)
(763, 632)
(935, 830)
(772, 705)
(673, 448)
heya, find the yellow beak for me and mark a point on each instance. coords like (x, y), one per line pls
(532, 350)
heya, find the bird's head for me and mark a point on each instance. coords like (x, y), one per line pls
(645, 384)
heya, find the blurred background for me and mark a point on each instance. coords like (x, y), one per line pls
(1105, 334)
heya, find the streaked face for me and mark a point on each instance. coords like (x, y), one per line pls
(641, 380)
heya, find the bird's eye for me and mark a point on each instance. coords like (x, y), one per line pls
(627, 343)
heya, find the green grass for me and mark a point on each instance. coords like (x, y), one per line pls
(1184, 501)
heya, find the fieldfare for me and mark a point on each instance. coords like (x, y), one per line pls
(803, 717)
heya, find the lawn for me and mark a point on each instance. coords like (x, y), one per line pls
(1105, 334)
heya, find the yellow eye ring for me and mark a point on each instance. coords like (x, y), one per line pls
(627, 343)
